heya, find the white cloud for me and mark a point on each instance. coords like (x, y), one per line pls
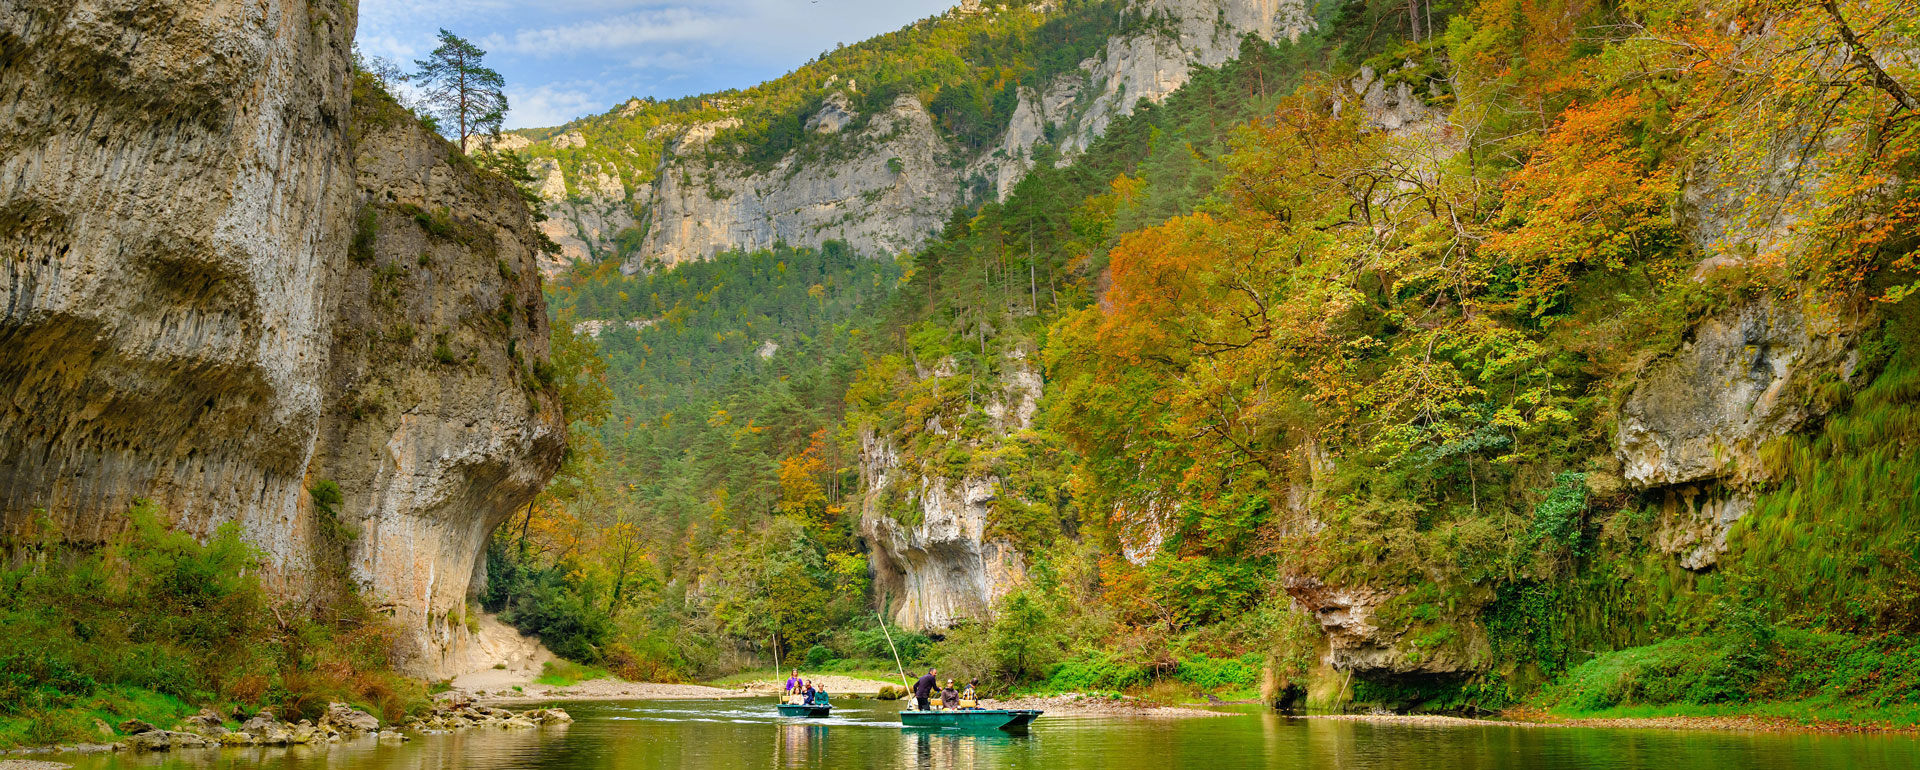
(566, 58)
(552, 104)
(626, 31)
(669, 60)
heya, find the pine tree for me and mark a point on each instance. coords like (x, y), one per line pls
(460, 91)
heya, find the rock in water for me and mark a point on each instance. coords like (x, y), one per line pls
(347, 720)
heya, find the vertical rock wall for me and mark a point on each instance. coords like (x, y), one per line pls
(438, 424)
(193, 311)
(937, 561)
(174, 180)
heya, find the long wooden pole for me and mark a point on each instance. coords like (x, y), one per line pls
(890, 648)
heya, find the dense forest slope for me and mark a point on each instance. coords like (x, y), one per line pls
(873, 144)
(249, 288)
(1438, 359)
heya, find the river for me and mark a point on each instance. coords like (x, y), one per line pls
(726, 734)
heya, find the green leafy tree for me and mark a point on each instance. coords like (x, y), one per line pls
(460, 91)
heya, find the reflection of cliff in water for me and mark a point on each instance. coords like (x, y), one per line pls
(800, 745)
(933, 750)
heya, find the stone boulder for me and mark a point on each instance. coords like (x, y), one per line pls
(346, 720)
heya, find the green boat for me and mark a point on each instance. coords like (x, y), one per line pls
(817, 706)
(804, 709)
(1009, 720)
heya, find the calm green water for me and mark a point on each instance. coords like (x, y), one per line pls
(718, 735)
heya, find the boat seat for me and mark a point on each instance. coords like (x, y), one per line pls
(969, 704)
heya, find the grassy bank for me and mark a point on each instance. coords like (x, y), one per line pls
(1786, 673)
(155, 625)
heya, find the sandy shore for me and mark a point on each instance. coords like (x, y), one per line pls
(1537, 719)
(1092, 706)
(604, 689)
(499, 690)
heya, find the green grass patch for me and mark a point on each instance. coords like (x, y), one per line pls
(1786, 672)
(566, 673)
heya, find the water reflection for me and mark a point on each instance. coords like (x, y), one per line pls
(800, 745)
(934, 750)
(748, 735)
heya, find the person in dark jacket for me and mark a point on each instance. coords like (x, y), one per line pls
(949, 697)
(923, 689)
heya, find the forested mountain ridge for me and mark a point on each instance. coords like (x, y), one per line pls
(1429, 368)
(872, 144)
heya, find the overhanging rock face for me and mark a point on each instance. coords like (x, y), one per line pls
(184, 316)
(1695, 423)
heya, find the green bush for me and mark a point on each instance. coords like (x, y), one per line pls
(910, 645)
(154, 624)
(1221, 673)
(541, 601)
(1096, 671)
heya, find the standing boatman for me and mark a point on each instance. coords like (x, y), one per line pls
(923, 689)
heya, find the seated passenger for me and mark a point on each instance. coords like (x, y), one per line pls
(949, 697)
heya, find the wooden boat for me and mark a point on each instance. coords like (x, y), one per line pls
(1009, 720)
(805, 709)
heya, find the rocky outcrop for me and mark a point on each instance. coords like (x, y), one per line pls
(1695, 423)
(227, 284)
(1358, 640)
(890, 191)
(1703, 412)
(588, 220)
(439, 424)
(935, 559)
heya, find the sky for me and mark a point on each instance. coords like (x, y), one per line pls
(564, 59)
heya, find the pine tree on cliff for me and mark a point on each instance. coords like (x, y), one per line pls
(459, 91)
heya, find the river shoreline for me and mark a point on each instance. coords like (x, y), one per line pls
(1524, 718)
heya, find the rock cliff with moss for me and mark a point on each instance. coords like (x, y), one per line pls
(239, 282)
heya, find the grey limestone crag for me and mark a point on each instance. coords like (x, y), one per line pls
(893, 181)
(194, 311)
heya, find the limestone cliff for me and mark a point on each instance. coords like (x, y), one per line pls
(439, 424)
(892, 191)
(192, 311)
(936, 559)
(883, 184)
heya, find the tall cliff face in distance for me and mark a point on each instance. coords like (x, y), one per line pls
(937, 557)
(440, 421)
(196, 311)
(884, 182)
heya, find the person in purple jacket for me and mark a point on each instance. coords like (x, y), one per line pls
(793, 682)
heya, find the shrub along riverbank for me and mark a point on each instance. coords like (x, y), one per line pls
(155, 625)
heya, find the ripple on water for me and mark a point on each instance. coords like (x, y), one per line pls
(743, 735)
